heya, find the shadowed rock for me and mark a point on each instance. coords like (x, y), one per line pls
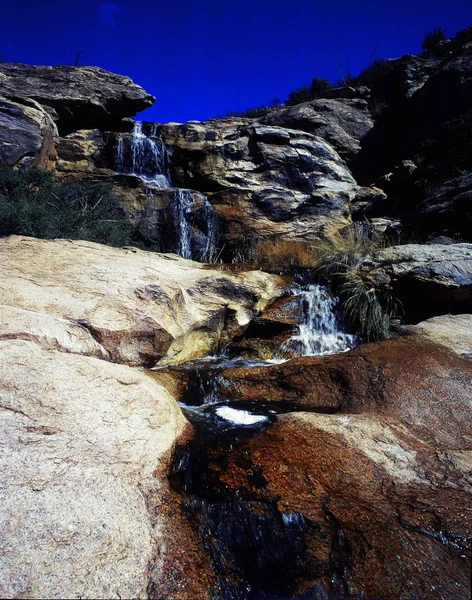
(75, 97)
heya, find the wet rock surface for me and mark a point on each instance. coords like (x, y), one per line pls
(371, 500)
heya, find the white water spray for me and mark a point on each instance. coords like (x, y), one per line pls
(143, 156)
(321, 332)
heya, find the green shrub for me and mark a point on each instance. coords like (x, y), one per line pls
(339, 258)
(432, 38)
(316, 89)
(450, 150)
(33, 204)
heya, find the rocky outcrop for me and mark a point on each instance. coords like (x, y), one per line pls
(85, 442)
(75, 97)
(140, 307)
(262, 180)
(341, 122)
(418, 98)
(37, 102)
(428, 279)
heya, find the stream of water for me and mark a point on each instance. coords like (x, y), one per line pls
(257, 550)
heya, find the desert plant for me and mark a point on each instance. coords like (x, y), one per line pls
(432, 38)
(239, 248)
(283, 253)
(339, 259)
(33, 204)
(341, 250)
(316, 89)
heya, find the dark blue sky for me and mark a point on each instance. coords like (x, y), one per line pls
(208, 57)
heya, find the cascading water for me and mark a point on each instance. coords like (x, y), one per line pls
(181, 207)
(143, 156)
(322, 330)
(188, 225)
(257, 547)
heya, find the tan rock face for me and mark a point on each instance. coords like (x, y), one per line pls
(82, 441)
(51, 333)
(452, 331)
(139, 306)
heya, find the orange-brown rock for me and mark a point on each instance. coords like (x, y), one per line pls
(424, 384)
(385, 513)
(379, 491)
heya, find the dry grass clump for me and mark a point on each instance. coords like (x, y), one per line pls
(339, 259)
(285, 253)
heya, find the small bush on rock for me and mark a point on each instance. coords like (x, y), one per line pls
(432, 38)
(33, 204)
(316, 89)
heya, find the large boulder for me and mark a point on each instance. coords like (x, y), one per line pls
(86, 445)
(75, 97)
(428, 279)
(140, 306)
(341, 122)
(262, 180)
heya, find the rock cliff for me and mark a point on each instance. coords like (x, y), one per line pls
(355, 482)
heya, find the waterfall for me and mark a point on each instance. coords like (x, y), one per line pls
(188, 226)
(143, 156)
(322, 331)
(181, 208)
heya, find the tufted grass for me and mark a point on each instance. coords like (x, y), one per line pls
(368, 309)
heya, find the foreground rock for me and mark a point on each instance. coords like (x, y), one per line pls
(374, 511)
(371, 501)
(138, 306)
(85, 443)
